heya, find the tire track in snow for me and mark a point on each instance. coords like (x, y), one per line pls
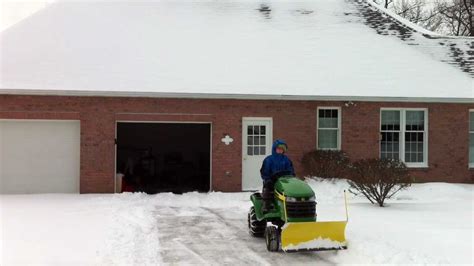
(254, 255)
(197, 236)
(215, 237)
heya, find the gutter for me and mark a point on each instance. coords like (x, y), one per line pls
(231, 96)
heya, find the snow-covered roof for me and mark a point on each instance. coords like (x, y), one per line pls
(309, 49)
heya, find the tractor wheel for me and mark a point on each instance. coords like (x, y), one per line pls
(272, 238)
(256, 227)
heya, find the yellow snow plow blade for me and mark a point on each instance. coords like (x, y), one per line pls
(313, 236)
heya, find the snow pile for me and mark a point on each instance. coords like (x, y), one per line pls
(426, 224)
(316, 243)
(60, 229)
(132, 239)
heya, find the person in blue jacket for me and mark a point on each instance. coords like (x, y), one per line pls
(273, 166)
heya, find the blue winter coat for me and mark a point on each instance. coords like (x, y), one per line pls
(276, 163)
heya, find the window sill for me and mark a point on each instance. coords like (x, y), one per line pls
(418, 166)
(471, 166)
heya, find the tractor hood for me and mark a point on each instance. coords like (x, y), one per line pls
(294, 187)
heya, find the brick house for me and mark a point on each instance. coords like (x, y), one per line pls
(200, 90)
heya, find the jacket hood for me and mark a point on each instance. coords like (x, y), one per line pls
(275, 145)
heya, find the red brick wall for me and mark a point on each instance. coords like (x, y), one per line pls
(294, 121)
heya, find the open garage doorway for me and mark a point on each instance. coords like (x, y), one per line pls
(164, 157)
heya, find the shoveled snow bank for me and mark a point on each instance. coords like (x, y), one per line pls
(428, 224)
(77, 229)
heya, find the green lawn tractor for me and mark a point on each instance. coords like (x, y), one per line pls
(291, 223)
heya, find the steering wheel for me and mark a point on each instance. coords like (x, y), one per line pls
(281, 173)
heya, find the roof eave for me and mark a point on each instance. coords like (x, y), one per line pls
(230, 96)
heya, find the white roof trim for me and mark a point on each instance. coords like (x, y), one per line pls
(230, 96)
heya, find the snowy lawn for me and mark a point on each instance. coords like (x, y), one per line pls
(428, 223)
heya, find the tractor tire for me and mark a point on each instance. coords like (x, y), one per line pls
(256, 227)
(272, 238)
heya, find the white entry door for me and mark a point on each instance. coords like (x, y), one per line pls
(257, 143)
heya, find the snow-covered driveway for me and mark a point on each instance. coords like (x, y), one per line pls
(207, 235)
(429, 223)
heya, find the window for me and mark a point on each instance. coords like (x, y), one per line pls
(414, 136)
(329, 128)
(471, 139)
(256, 140)
(390, 130)
(404, 136)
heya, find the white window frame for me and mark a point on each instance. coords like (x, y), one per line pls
(403, 130)
(339, 127)
(471, 165)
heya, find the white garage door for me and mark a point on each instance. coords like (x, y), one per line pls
(39, 156)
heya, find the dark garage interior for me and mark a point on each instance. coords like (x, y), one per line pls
(164, 157)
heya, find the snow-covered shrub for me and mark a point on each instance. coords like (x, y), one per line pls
(378, 179)
(326, 163)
